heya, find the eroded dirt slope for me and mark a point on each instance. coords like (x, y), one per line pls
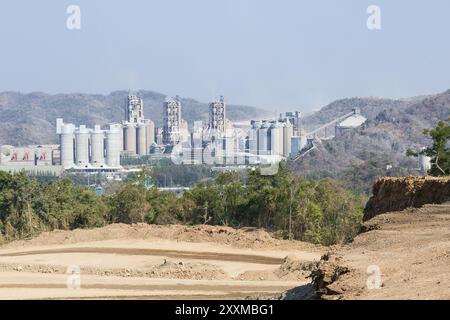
(394, 194)
(411, 248)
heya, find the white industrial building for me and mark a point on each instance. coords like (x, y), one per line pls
(354, 121)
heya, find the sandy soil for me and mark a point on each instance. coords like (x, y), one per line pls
(411, 249)
(154, 262)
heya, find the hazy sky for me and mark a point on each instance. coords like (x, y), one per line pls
(276, 54)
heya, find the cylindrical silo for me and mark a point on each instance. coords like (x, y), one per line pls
(295, 145)
(424, 163)
(82, 146)
(97, 147)
(229, 149)
(276, 141)
(67, 145)
(288, 132)
(141, 139)
(150, 133)
(252, 145)
(263, 141)
(130, 138)
(113, 145)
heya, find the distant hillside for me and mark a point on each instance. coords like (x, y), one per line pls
(30, 118)
(392, 127)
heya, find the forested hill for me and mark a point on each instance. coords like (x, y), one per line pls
(30, 118)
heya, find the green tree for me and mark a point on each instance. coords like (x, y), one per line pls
(129, 204)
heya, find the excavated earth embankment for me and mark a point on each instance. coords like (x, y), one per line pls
(395, 194)
(402, 252)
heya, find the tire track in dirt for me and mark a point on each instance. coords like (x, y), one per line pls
(157, 252)
(150, 287)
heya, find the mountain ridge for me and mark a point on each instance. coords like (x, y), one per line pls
(29, 118)
(379, 147)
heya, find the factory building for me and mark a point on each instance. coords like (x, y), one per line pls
(352, 122)
(138, 133)
(85, 149)
(33, 155)
(34, 159)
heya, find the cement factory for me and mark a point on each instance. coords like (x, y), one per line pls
(103, 149)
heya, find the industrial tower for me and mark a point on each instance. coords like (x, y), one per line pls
(134, 111)
(138, 132)
(217, 115)
(172, 121)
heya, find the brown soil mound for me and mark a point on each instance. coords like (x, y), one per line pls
(396, 194)
(239, 238)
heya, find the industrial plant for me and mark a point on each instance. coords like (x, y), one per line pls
(218, 142)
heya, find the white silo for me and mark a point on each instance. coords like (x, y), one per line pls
(253, 142)
(295, 145)
(263, 141)
(276, 139)
(150, 133)
(113, 145)
(67, 145)
(97, 147)
(141, 140)
(288, 132)
(82, 146)
(122, 138)
(229, 149)
(424, 163)
(130, 138)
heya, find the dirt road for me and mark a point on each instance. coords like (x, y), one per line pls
(144, 262)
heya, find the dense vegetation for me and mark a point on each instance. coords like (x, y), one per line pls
(321, 211)
(28, 207)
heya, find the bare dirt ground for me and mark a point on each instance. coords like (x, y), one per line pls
(411, 249)
(154, 262)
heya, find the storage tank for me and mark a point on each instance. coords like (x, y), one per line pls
(253, 143)
(97, 147)
(82, 146)
(113, 145)
(67, 145)
(130, 138)
(424, 163)
(276, 139)
(288, 132)
(150, 133)
(141, 139)
(263, 141)
(228, 149)
(295, 145)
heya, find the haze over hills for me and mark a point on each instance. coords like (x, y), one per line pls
(30, 118)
